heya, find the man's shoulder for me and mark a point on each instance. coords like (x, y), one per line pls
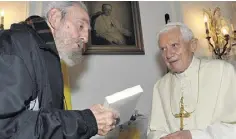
(12, 41)
(98, 16)
(165, 80)
(212, 62)
(7, 36)
(216, 64)
(16, 30)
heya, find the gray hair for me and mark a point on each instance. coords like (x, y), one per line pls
(62, 5)
(187, 33)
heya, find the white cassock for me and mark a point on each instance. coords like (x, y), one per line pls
(110, 29)
(215, 110)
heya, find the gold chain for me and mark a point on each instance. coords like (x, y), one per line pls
(182, 94)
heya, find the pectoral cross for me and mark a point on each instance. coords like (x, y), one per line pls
(182, 114)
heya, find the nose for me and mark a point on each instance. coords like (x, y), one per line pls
(84, 36)
(169, 53)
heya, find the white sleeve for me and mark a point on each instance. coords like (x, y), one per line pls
(158, 126)
(216, 131)
(100, 26)
(120, 27)
(156, 134)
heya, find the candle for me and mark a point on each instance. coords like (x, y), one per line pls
(205, 20)
(224, 31)
(2, 17)
(232, 27)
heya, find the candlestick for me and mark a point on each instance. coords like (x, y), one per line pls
(2, 19)
(205, 20)
(232, 27)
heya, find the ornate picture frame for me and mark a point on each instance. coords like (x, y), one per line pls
(115, 28)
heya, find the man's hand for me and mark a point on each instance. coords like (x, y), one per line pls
(106, 119)
(185, 134)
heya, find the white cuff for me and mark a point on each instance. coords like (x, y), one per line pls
(199, 134)
(156, 135)
(163, 135)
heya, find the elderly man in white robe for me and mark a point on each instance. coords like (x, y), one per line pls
(109, 28)
(197, 98)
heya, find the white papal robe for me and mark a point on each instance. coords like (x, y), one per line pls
(110, 29)
(216, 106)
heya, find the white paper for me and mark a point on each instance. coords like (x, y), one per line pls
(124, 102)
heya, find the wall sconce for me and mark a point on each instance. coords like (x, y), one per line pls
(218, 32)
(2, 20)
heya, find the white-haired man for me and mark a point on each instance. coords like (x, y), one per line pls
(197, 98)
(31, 88)
(109, 28)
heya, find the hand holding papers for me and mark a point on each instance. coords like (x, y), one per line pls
(105, 118)
(124, 102)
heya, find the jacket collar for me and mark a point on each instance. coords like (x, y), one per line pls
(40, 28)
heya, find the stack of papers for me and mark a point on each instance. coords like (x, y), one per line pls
(124, 102)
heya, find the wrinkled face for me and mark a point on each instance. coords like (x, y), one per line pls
(107, 10)
(176, 52)
(70, 33)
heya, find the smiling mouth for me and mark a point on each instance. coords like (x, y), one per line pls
(173, 61)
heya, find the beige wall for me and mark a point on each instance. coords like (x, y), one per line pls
(14, 12)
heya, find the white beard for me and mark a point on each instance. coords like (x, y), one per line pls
(69, 49)
(71, 58)
(70, 53)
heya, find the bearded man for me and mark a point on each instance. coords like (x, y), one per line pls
(31, 102)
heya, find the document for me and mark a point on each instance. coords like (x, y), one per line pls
(124, 102)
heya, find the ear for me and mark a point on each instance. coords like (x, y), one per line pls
(193, 45)
(54, 18)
